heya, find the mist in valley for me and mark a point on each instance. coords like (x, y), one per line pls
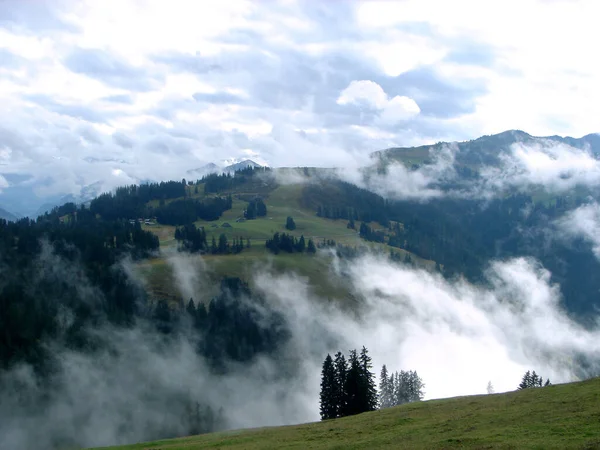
(139, 385)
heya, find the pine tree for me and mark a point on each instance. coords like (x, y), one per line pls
(385, 388)
(369, 393)
(290, 224)
(191, 308)
(329, 407)
(341, 373)
(301, 246)
(354, 404)
(526, 381)
(310, 248)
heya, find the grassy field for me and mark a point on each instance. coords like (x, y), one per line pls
(557, 417)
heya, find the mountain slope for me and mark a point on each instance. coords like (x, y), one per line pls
(4, 214)
(484, 150)
(562, 417)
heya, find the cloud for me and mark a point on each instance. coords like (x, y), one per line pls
(109, 69)
(243, 68)
(557, 167)
(122, 140)
(370, 94)
(583, 222)
(456, 335)
(3, 183)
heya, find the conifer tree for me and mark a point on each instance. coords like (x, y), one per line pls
(191, 308)
(329, 407)
(385, 388)
(369, 390)
(310, 248)
(301, 246)
(354, 386)
(341, 372)
(290, 224)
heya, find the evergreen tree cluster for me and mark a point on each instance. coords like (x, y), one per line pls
(341, 200)
(237, 325)
(200, 419)
(81, 276)
(224, 247)
(368, 234)
(215, 183)
(193, 240)
(347, 386)
(283, 242)
(182, 212)
(532, 380)
(256, 208)
(130, 202)
(399, 388)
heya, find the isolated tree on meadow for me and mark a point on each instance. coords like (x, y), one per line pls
(290, 224)
(490, 388)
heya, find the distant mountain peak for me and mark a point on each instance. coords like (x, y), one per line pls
(241, 165)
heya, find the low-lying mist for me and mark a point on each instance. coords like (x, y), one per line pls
(457, 336)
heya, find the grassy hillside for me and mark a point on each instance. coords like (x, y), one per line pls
(283, 201)
(561, 417)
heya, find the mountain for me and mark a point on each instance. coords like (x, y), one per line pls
(4, 214)
(207, 169)
(483, 151)
(241, 165)
(86, 194)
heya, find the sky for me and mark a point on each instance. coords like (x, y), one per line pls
(115, 92)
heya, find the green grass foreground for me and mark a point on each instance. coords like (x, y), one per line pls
(557, 417)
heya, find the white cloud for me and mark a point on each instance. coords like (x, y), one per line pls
(555, 166)
(3, 183)
(583, 222)
(398, 109)
(261, 67)
(456, 335)
(391, 111)
(359, 91)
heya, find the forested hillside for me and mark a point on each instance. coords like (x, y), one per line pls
(177, 271)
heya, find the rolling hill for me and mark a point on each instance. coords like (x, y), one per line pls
(557, 417)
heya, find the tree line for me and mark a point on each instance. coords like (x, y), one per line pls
(347, 386)
(533, 380)
(283, 242)
(399, 388)
(226, 182)
(194, 240)
(256, 208)
(181, 212)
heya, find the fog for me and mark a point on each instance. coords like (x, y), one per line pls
(552, 166)
(457, 336)
(583, 222)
